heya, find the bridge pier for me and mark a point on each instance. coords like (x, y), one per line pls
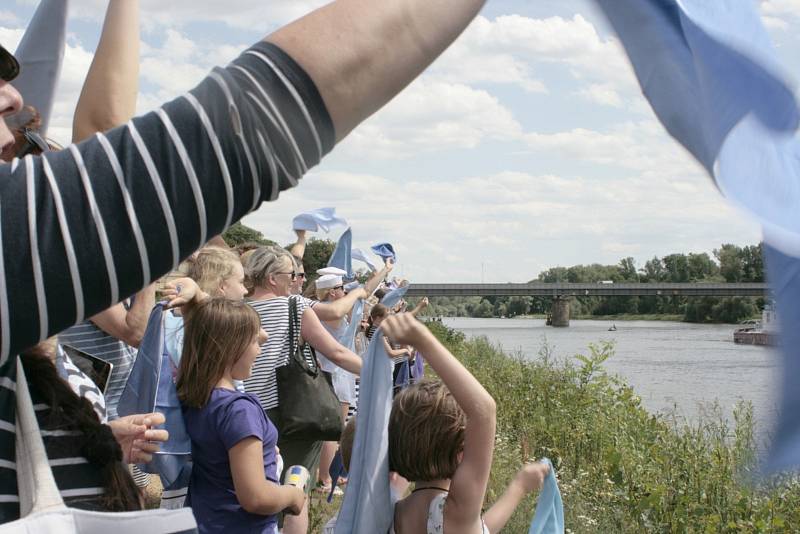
(559, 312)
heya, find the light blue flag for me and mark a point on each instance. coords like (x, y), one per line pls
(710, 73)
(391, 298)
(40, 54)
(358, 254)
(349, 336)
(783, 272)
(549, 515)
(318, 219)
(385, 250)
(342, 256)
(151, 388)
(367, 506)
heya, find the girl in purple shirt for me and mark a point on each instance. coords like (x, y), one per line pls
(234, 485)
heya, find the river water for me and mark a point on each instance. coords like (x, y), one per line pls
(674, 367)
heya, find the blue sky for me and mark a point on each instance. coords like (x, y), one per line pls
(527, 145)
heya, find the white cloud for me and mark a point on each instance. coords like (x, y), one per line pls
(433, 116)
(603, 94)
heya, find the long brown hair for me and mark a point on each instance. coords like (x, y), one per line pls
(217, 333)
(68, 411)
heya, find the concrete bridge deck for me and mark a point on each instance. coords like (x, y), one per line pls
(542, 289)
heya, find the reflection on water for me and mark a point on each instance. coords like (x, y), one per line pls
(669, 364)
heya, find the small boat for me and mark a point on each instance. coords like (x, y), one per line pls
(612, 328)
(759, 333)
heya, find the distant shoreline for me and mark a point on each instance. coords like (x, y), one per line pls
(678, 318)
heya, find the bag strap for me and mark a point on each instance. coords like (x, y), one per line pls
(295, 350)
(35, 482)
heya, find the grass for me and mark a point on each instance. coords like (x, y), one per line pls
(620, 468)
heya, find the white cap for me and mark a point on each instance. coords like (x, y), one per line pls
(327, 281)
(332, 270)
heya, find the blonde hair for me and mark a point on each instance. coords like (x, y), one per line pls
(265, 261)
(210, 267)
(322, 294)
(426, 432)
(217, 333)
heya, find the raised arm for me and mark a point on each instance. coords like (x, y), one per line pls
(108, 97)
(298, 250)
(319, 338)
(346, 49)
(243, 135)
(378, 277)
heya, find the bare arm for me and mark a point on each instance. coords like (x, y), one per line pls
(319, 338)
(393, 353)
(299, 247)
(108, 97)
(421, 305)
(128, 325)
(333, 311)
(529, 478)
(344, 47)
(373, 283)
(255, 493)
(468, 485)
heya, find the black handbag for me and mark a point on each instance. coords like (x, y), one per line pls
(308, 407)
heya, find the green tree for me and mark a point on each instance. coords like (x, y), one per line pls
(753, 263)
(654, 271)
(627, 270)
(701, 267)
(731, 266)
(317, 254)
(239, 234)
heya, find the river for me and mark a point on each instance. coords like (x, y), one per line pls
(674, 367)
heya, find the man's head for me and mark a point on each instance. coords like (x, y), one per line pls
(10, 99)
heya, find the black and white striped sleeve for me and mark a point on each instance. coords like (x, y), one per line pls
(89, 225)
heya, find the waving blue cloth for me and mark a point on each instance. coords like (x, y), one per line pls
(358, 254)
(318, 219)
(342, 256)
(784, 276)
(40, 54)
(384, 250)
(711, 75)
(151, 388)
(367, 506)
(391, 298)
(549, 515)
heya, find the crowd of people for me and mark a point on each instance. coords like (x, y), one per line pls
(93, 232)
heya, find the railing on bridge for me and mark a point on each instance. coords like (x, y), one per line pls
(592, 289)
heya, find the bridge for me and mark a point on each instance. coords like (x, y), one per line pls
(561, 293)
(545, 289)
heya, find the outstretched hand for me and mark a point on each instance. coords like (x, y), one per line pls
(137, 437)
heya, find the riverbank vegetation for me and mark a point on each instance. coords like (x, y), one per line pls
(620, 468)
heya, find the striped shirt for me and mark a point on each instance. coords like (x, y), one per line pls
(274, 314)
(91, 340)
(79, 482)
(84, 227)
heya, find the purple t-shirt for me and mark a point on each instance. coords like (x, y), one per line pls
(228, 418)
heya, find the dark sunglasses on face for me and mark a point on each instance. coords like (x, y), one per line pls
(9, 66)
(301, 275)
(292, 274)
(338, 287)
(33, 141)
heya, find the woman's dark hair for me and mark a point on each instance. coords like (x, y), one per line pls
(68, 411)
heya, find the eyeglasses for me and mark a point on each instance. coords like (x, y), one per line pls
(292, 274)
(33, 141)
(301, 275)
(9, 66)
(337, 287)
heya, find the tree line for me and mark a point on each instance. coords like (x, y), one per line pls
(729, 263)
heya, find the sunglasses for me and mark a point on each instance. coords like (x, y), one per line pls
(337, 287)
(33, 141)
(9, 66)
(292, 274)
(301, 275)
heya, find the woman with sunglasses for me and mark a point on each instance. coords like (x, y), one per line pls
(272, 271)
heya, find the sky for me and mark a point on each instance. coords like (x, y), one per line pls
(526, 145)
